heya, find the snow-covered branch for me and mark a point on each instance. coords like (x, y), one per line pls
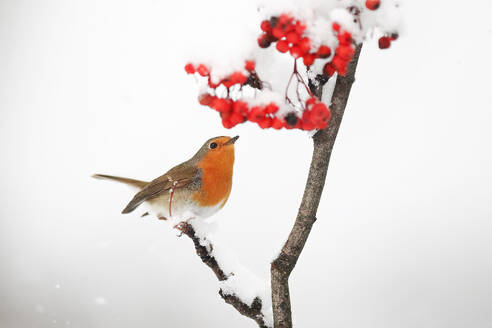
(239, 287)
(323, 40)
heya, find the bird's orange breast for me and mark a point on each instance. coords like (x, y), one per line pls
(216, 177)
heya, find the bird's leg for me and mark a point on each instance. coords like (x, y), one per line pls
(182, 226)
(171, 191)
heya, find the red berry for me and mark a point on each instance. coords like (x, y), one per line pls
(282, 46)
(202, 70)
(278, 33)
(307, 126)
(290, 28)
(265, 122)
(307, 123)
(232, 120)
(320, 108)
(310, 102)
(205, 99)
(189, 68)
(300, 28)
(306, 115)
(240, 107)
(271, 108)
(264, 41)
(345, 52)
(278, 123)
(238, 78)
(305, 45)
(227, 123)
(342, 70)
(308, 59)
(236, 118)
(256, 114)
(227, 83)
(345, 38)
(296, 52)
(221, 105)
(338, 62)
(250, 65)
(336, 27)
(328, 69)
(266, 26)
(226, 120)
(284, 20)
(292, 37)
(323, 52)
(319, 112)
(384, 42)
(373, 4)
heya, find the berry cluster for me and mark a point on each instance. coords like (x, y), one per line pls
(343, 54)
(233, 112)
(288, 33)
(229, 81)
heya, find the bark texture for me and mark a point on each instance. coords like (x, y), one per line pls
(323, 140)
(253, 311)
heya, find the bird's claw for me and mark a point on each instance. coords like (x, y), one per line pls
(181, 227)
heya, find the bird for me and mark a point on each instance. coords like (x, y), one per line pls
(198, 187)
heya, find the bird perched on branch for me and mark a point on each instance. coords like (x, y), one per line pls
(200, 186)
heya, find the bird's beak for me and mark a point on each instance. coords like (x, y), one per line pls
(232, 140)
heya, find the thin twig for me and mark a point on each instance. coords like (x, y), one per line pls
(323, 140)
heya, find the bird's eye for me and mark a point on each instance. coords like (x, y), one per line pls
(213, 145)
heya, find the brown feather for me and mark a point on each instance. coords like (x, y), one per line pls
(182, 174)
(132, 182)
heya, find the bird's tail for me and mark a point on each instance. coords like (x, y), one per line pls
(132, 182)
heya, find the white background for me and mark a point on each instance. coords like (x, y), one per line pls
(403, 237)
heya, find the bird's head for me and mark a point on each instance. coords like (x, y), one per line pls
(217, 150)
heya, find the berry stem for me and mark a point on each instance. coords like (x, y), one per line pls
(300, 80)
(288, 84)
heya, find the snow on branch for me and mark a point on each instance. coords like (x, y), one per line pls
(239, 287)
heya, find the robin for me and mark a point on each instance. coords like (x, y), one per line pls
(200, 186)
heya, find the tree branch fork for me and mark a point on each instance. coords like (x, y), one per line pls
(261, 308)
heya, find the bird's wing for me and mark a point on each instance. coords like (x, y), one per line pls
(178, 177)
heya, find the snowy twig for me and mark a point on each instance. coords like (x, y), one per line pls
(255, 310)
(324, 140)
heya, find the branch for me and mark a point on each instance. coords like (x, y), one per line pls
(323, 140)
(254, 310)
